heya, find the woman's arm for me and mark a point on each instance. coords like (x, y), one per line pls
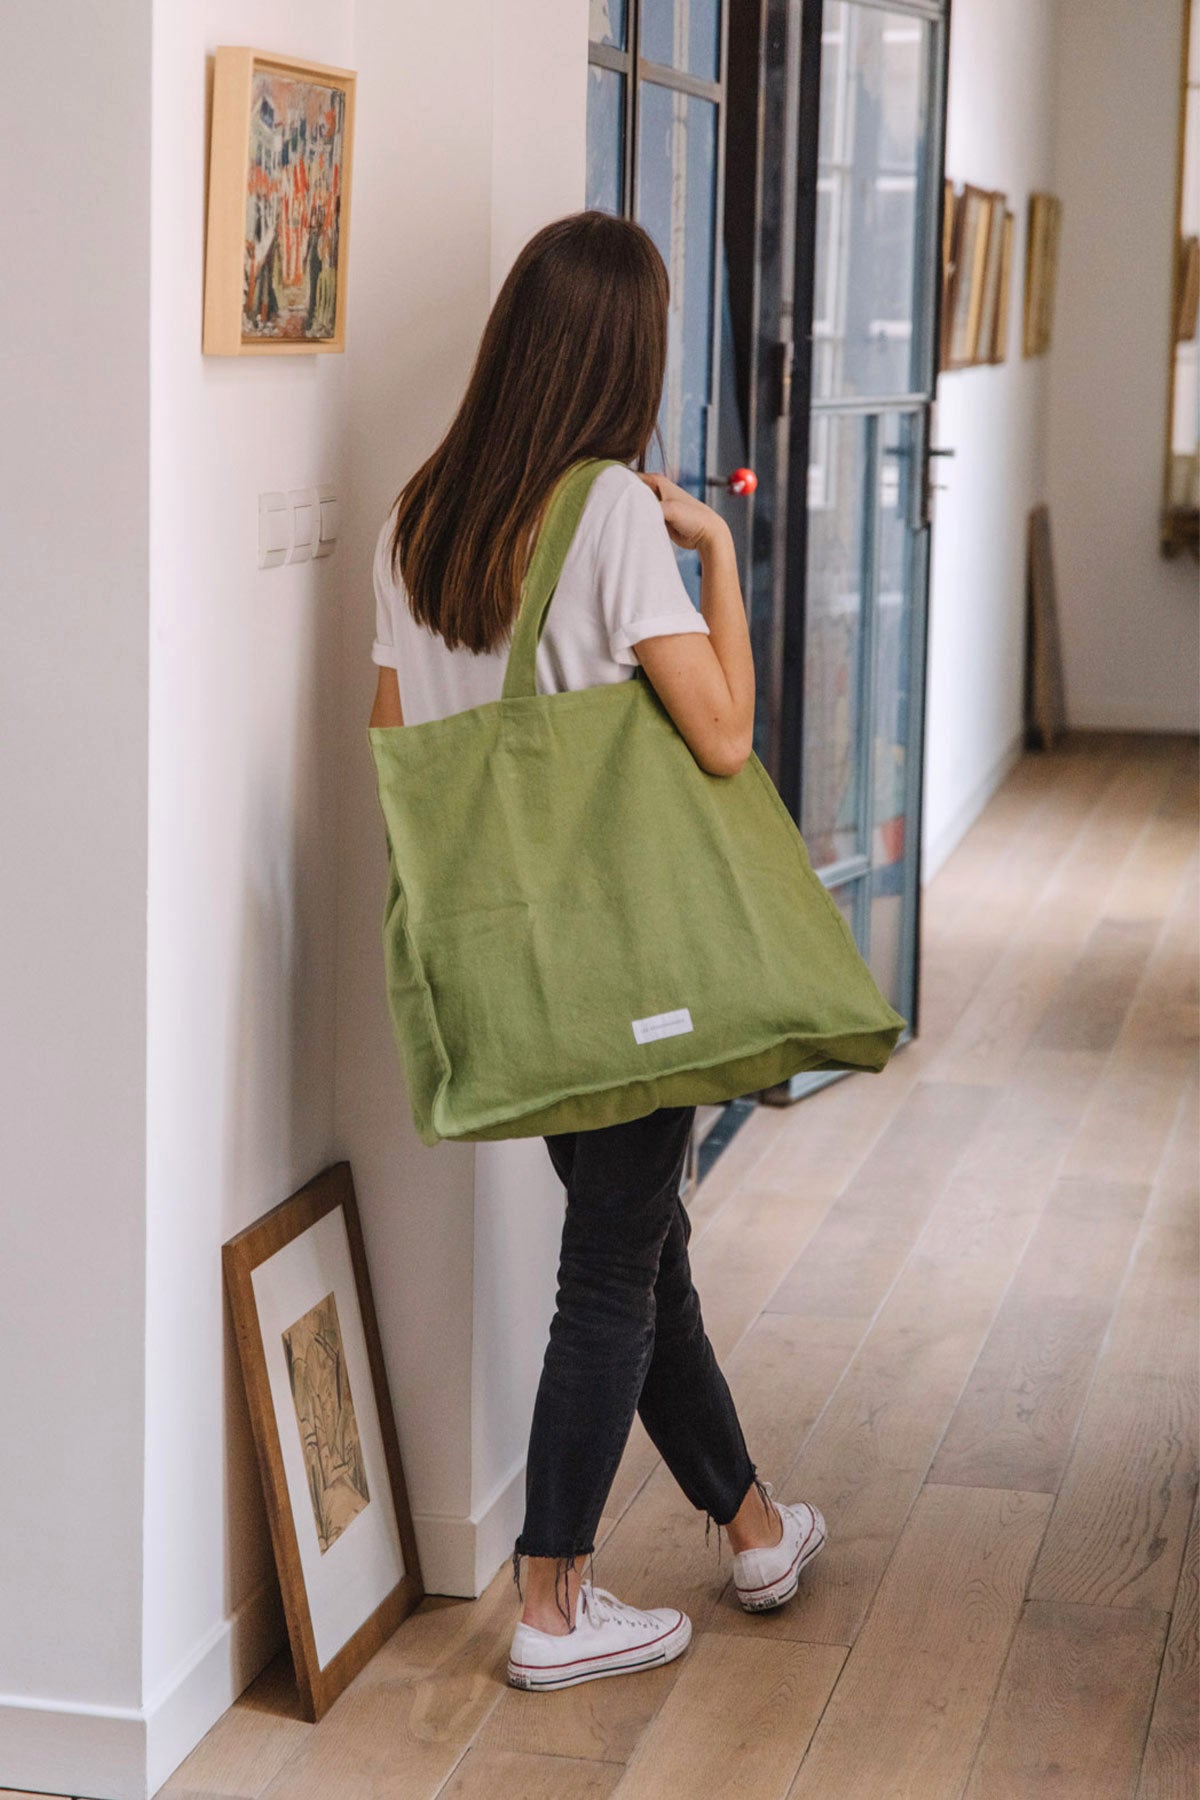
(706, 683)
(386, 710)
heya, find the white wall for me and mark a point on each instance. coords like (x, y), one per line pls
(1130, 622)
(73, 683)
(998, 135)
(462, 1241)
(244, 709)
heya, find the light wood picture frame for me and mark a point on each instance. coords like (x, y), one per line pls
(279, 182)
(950, 217)
(972, 236)
(993, 269)
(323, 1428)
(1004, 297)
(1041, 272)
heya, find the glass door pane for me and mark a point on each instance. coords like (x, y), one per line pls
(872, 192)
(832, 808)
(605, 138)
(899, 567)
(676, 202)
(683, 34)
(875, 150)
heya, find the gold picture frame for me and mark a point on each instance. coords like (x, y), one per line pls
(279, 181)
(1004, 297)
(972, 234)
(949, 247)
(1041, 272)
(993, 271)
(321, 1417)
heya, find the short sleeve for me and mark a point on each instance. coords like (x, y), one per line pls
(640, 588)
(383, 650)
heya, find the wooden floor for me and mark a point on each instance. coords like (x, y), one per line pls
(957, 1305)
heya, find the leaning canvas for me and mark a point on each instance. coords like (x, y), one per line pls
(278, 206)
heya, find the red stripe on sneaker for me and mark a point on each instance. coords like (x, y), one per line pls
(600, 1656)
(770, 1584)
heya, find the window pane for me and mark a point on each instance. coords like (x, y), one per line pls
(675, 202)
(847, 897)
(605, 138)
(606, 22)
(870, 200)
(833, 675)
(683, 34)
(893, 628)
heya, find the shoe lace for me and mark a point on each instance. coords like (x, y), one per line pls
(601, 1606)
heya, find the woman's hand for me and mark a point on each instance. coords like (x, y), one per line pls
(691, 524)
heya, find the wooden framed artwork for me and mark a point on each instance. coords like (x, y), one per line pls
(993, 268)
(278, 206)
(972, 235)
(949, 247)
(1004, 296)
(324, 1431)
(1041, 271)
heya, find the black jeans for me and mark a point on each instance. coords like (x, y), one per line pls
(627, 1335)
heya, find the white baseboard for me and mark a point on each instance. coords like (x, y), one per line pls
(195, 1695)
(48, 1746)
(460, 1555)
(123, 1753)
(936, 850)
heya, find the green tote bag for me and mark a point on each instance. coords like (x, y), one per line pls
(581, 924)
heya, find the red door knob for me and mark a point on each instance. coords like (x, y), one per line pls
(741, 481)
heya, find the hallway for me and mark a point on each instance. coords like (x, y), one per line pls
(956, 1302)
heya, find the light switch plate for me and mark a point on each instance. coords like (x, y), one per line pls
(274, 530)
(327, 522)
(305, 521)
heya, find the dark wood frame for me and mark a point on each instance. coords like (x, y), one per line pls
(334, 1187)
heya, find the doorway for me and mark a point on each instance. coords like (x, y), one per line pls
(786, 156)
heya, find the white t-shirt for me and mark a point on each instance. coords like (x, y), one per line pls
(619, 583)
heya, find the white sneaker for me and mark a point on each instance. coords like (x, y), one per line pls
(766, 1578)
(609, 1638)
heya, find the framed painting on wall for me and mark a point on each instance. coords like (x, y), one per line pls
(1004, 300)
(323, 1428)
(950, 205)
(278, 206)
(1041, 271)
(993, 270)
(972, 238)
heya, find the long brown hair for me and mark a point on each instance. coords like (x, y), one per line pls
(570, 365)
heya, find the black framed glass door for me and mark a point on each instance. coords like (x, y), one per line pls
(786, 155)
(847, 593)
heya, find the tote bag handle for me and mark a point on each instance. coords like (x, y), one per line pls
(562, 515)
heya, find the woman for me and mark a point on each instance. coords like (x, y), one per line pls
(571, 366)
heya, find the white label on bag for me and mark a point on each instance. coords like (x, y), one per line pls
(660, 1025)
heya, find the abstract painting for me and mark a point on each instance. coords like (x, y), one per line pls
(278, 205)
(320, 1384)
(293, 202)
